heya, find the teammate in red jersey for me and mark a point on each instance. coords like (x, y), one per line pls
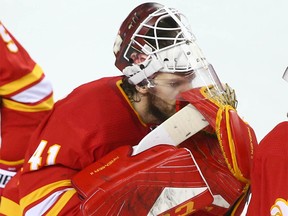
(26, 97)
(269, 173)
(163, 69)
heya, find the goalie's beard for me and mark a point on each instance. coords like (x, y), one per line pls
(160, 108)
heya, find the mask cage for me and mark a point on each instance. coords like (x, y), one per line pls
(161, 30)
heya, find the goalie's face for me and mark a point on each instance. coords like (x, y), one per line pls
(168, 86)
(163, 90)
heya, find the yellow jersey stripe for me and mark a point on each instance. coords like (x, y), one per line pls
(45, 105)
(26, 80)
(11, 208)
(12, 162)
(118, 84)
(42, 192)
(61, 202)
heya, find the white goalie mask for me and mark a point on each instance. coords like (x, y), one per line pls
(155, 38)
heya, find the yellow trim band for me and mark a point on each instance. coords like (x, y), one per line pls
(234, 168)
(238, 173)
(118, 83)
(9, 208)
(45, 105)
(26, 80)
(41, 192)
(61, 203)
(219, 136)
(12, 162)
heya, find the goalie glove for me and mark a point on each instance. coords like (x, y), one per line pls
(236, 138)
(162, 180)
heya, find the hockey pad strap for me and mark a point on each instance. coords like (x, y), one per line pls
(163, 180)
(236, 138)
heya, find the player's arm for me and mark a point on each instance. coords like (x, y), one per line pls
(26, 97)
(23, 85)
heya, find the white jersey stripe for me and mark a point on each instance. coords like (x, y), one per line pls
(35, 93)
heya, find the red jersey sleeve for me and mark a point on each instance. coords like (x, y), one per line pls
(269, 174)
(26, 97)
(23, 85)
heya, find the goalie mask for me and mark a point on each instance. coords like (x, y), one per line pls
(155, 38)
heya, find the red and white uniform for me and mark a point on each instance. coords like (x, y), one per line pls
(26, 98)
(270, 174)
(95, 119)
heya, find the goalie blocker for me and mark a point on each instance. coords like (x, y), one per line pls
(163, 180)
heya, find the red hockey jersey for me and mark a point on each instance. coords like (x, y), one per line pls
(26, 97)
(77, 133)
(270, 174)
(82, 128)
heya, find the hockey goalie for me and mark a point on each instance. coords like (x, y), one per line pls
(208, 173)
(162, 139)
